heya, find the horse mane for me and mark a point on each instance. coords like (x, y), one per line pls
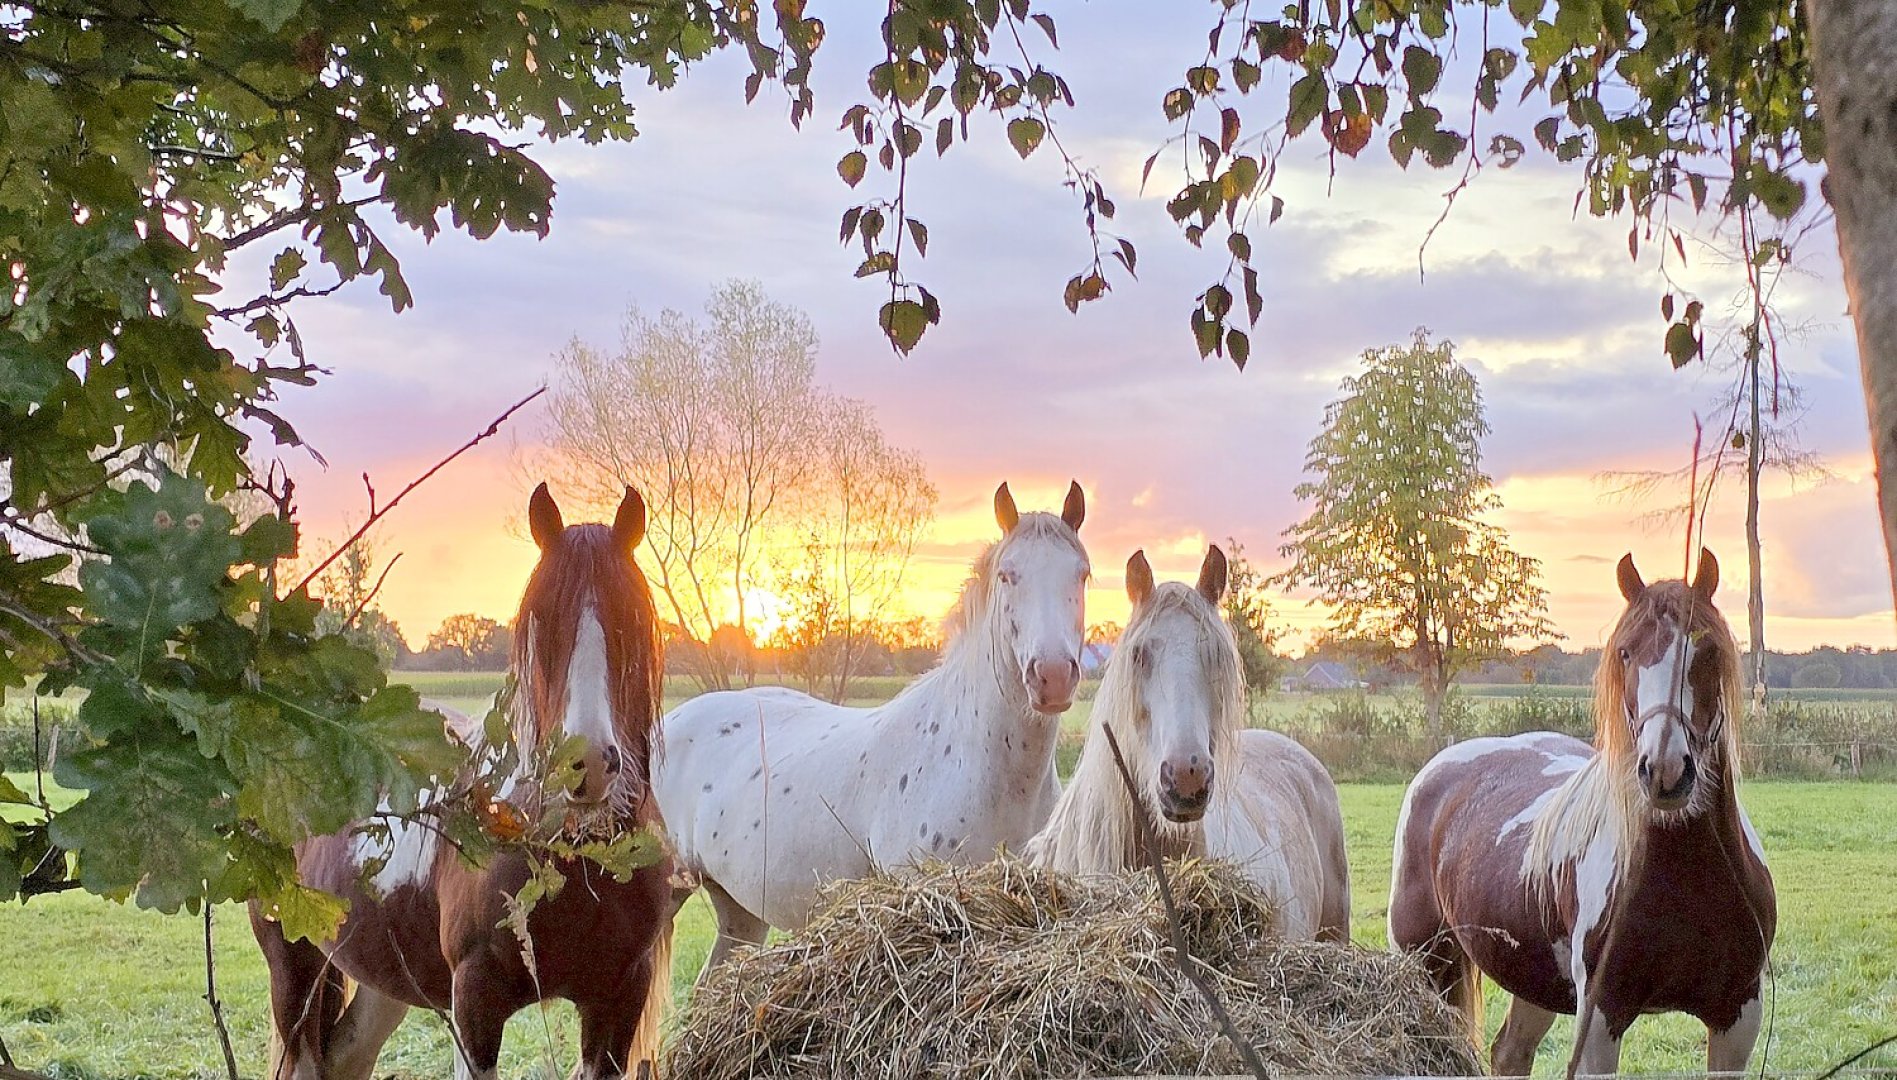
(1604, 793)
(588, 566)
(971, 607)
(1093, 828)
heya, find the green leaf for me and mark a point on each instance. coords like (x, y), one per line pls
(1421, 69)
(152, 821)
(167, 551)
(272, 14)
(904, 322)
(1309, 98)
(305, 913)
(10, 793)
(1025, 133)
(285, 268)
(1682, 344)
(852, 166)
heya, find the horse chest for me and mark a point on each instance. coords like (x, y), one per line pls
(1693, 934)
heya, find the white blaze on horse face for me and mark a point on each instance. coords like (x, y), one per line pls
(1042, 580)
(1660, 737)
(589, 703)
(1178, 696)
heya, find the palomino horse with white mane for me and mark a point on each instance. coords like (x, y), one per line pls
(1623, 876)
(1173, 696)
(427, 933)
(767, 793)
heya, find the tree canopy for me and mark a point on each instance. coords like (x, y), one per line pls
(1398, 542)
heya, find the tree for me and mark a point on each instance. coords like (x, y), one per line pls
(1248, 612)
(713, 422)
(871, 503)
(1397, 544)
(868, 506)
(141, 149)
(348, 588)
(470, 642)
(721, 424)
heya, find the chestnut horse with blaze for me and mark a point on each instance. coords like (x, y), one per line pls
(1612, 880)
(425, 931)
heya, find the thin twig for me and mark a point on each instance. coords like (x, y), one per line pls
(274, 300)
(486, 433)
(370, 596)
(1855, 1058)
(210, 996)
(10, 1072)
(1188, 963)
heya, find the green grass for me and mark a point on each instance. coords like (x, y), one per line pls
(93, 989)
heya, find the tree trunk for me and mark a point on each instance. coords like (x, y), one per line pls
(1755, 456)
(1854, 54)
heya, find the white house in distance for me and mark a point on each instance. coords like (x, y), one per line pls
(1322, 676)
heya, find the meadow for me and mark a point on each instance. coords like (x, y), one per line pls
(92, 989)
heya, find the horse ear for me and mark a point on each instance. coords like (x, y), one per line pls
(543, 518)
(1139, 578)
(1630, 584)
(1212, 575)
(1706, 578)
(1005, 514)
(629, 525)
(1074, 510)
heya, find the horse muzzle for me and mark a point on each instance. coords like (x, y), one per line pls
(1185, 790)
(1051, 684)
(1664, 791)
(598, 768)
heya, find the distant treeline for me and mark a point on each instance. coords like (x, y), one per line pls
(1826, 667)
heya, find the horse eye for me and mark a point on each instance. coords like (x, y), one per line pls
(1625, 655)
(1007, 577)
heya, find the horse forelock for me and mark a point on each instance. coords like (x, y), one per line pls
(1604, 795)
(973, 605)
(1214, 646)
(588, 568)
(1674, 603)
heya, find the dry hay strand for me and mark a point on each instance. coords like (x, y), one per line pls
(1007, 970)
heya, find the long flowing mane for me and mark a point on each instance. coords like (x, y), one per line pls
(588, 567)
(1093, 828)
(1604, 793)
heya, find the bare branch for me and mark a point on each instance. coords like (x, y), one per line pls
(1188, 963)
(486, 433)
(211, 999)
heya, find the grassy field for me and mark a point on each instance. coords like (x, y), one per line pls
(89, 989)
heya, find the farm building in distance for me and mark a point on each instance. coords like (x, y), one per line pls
(1321, 676)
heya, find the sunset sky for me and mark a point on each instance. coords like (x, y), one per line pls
(1561, 327)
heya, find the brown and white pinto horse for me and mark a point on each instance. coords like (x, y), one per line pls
(1625, 873)
(426, 931)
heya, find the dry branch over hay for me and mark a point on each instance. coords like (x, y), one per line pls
(1005, 970)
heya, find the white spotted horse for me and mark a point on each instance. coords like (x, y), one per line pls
(767, 793)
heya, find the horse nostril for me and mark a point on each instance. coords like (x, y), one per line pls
(612, 759)
(1073, 668)
(1645, 770)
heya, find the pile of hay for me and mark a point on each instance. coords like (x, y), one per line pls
(1005, 970)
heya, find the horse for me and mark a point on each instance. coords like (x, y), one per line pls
(766, 793)
(1615, 880)
(1172, 694)
(424, 929)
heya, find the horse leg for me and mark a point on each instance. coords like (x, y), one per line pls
(479, 1013)
(609, 1026)
(1729, 1050)
(306, 997)
(366, 1025)
(1600, 1048)
(736, 926)
(1513, 1053)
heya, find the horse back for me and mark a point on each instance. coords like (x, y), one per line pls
(1459, 883)
(1293, 794)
